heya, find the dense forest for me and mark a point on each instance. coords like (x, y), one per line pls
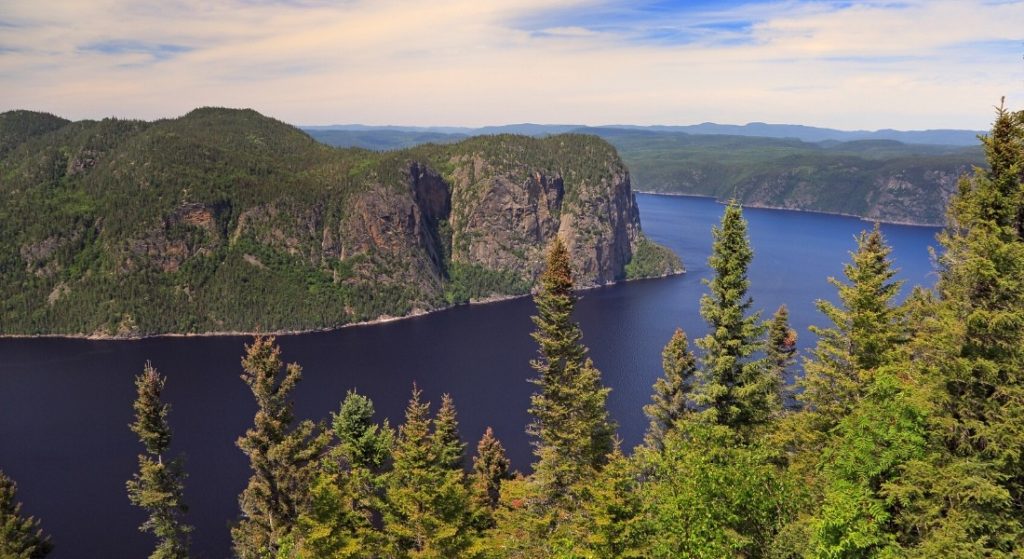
(225, 220)
(903, 438)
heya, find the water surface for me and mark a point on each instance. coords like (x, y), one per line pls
(65, 405)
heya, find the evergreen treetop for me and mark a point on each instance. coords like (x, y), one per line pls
(868, 326)
(283, 457)
(20, 536)
(159, 486)
(734, 389)
(671, 398)
(571, 423)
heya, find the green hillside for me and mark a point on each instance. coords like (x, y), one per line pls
(226, 220)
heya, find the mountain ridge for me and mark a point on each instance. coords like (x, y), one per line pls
(226, 220)
(939, 136)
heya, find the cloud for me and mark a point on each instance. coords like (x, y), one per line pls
(917, 64)
(152, 51)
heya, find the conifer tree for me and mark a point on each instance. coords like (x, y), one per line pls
(781, 349)
(344, 494)
(735, 389)
(571, 423)
(428, 513)
(449, 450)
(362, 443)
(283, 458)
(332, 526)
(490, 468)
(158, 487)
(976, 362)
(671, 398)
(867, 328)
(20, 537)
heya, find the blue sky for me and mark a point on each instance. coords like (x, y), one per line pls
(853, 65)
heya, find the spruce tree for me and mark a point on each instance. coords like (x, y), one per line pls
(159, 485)
(571, 423)
(362, 443)
(428, 513)
(490, 468)
(332, 526)
(867, 329)
(671, 398)
(20, 537)
(976, 364)
(344, 494)
(735, 389)
(449, 450)
(282, 457)
(781, 349)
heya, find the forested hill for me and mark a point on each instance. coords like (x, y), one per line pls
(873, 177)
(226, 220)
(880, 180)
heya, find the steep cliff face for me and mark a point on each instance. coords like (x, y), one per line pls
(505, 221)
(228, 221)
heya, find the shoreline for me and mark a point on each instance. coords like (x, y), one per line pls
(384, 319)
(778, 208)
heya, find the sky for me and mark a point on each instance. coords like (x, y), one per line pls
(867, 65)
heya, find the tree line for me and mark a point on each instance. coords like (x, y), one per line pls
(903, 438)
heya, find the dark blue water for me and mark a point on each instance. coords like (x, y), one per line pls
(65, 404)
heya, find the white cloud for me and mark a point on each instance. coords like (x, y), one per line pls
(926, 65)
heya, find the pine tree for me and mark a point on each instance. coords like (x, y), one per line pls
(282, 458)
(867, 328)
(428, 513)
(671, 398)
(159, 486)
(490, 468)
(571, 423)
(20, 537)
(967, 500)
(362, 443)
(344, 494)
(735, 389)
(449, 450)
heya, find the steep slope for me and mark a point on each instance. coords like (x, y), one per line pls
(225, 220)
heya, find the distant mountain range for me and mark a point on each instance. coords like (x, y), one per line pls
(886, 175)
(442, 134)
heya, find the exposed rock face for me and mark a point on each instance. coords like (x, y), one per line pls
(603, 230)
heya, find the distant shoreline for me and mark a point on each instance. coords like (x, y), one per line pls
(779, 208)
(384, 319)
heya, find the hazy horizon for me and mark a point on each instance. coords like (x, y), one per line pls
(912, 65)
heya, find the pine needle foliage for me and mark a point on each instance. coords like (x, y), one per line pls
(159, 486)
(571, 424)
(282, 456)
(735, 389)
(867, 328)
(428, 513)
(490, 468)
(672, 391)
(20, 536)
